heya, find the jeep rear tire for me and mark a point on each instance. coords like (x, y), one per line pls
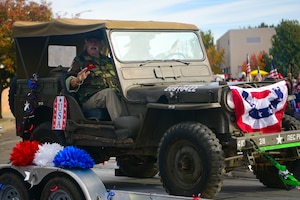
(191, 161)
(138, 166)
(44, 133)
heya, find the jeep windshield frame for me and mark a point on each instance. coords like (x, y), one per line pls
(162, 45)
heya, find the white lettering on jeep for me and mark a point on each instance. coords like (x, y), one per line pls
(184, 88)
(293, 137)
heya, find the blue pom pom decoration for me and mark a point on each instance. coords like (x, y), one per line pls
(73, 157)
(32, 84)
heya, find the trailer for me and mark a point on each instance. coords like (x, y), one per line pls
(34, 182)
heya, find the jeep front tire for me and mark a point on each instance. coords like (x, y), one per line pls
(191, 161)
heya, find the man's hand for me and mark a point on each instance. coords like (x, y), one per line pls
(81, 76)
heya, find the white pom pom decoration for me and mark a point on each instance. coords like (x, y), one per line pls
(46, 153)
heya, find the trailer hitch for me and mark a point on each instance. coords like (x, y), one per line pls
(285, 175)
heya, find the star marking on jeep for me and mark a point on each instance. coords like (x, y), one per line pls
(279, 139)
(26, 106)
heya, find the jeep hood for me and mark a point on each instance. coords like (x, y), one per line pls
(176, 93)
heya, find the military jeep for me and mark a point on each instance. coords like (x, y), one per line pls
(179, 122)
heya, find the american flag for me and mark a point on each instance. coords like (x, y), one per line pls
(273, 72)
(248, 68)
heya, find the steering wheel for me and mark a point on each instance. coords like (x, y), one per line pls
(175, 55)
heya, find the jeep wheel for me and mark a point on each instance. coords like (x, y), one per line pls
(44, 133)
(270, 178)
(269, 175)
(290, 123)
(191, 161)
(138, 166)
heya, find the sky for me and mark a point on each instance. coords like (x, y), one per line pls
(218, 16)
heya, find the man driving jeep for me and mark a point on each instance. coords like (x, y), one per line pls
(93, 78)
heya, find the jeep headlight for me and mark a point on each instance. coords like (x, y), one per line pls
(229, 101)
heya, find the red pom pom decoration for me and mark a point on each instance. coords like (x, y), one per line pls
(23, 153)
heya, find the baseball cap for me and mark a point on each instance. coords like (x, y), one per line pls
(92, 36)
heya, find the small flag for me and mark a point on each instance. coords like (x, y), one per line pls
(248, 67)
(273, 72)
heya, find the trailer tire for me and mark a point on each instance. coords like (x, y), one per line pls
(61, 188)
(136, 166)
(44, 133)
(191, 161)
(13, 186)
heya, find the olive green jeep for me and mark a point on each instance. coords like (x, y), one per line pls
(178, 123)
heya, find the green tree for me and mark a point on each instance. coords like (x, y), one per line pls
(11, 11)
(215, 57)
(286, 47)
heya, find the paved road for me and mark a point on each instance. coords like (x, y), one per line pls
(234, 188)
(8, 138)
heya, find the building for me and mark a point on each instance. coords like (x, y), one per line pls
(238, 43)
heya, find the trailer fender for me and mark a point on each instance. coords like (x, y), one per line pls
(91, 185)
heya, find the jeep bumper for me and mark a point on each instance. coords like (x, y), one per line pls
(267, 142)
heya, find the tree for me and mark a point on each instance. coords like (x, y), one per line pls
(286, 47)
(261, 60)
(215, 57)
(11, 11)
(207, 38)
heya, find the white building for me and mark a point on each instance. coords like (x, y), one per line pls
(238, 43)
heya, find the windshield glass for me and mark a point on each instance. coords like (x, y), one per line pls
(141, 46)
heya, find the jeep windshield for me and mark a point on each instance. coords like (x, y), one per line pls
(157, 45)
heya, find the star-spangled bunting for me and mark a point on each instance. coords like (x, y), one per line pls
(260, 109)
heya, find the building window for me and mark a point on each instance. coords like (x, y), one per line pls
(253, 40)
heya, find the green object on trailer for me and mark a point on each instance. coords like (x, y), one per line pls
(279, 146)
(286, 177)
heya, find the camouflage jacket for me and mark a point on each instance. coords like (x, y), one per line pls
(102, 75)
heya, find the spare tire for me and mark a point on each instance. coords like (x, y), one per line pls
(11, 94)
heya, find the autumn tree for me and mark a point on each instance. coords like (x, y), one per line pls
(215, 57)
(286, 47)
(261, 60)
(11, 11)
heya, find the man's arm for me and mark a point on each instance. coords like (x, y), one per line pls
(76, 76)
